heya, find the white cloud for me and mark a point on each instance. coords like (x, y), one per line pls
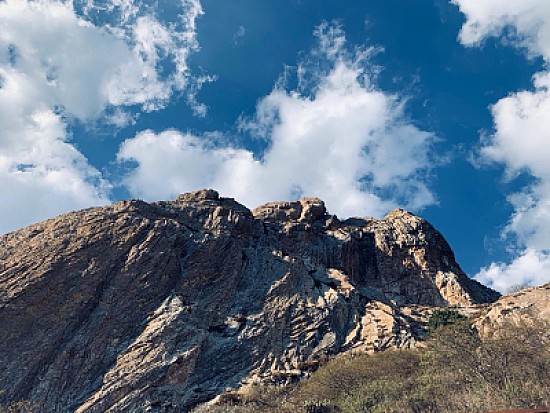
(529, 19)
(522, 130)
(341, 139)
(238, 35)
(172, 162)
(159, 47)
(521, 140)
(57, 66)
(531, 268)
(41, 174)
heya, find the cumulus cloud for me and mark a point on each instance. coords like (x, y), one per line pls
(525, 23)
(521, 139)
(40, 173)
(335, 136)
(160, 48)
(530, 268)
(76, 67)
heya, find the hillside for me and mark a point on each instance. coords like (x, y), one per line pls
(161, 306)
(495, 361)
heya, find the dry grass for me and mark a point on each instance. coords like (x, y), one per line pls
(456, 373)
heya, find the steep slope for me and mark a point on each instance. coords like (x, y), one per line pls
(157, 307)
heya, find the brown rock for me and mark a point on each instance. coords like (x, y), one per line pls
(158, 307)
(520, 309)
(200, 195)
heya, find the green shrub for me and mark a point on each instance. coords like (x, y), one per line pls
(442, 318)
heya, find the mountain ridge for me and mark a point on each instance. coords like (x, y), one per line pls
(162, 306)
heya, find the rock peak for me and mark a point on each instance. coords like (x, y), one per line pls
(200, 195)
(400, 213)
(130, 305)
(304, 210)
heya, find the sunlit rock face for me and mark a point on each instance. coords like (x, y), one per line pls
(158, 307)
(529, 307)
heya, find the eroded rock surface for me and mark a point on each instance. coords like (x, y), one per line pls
(524, 308)
(158, 307)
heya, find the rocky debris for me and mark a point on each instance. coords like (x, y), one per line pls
(159, 307)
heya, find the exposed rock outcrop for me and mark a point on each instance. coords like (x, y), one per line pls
(157, 307)
(520, 309)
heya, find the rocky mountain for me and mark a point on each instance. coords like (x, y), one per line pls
(161, 306)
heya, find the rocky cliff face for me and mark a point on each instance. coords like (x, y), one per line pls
(520, 309)
(158, 307)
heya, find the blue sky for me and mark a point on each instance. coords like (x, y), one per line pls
(440, 107)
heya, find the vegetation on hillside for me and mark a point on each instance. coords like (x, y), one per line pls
(442, 317)
(456, 373)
